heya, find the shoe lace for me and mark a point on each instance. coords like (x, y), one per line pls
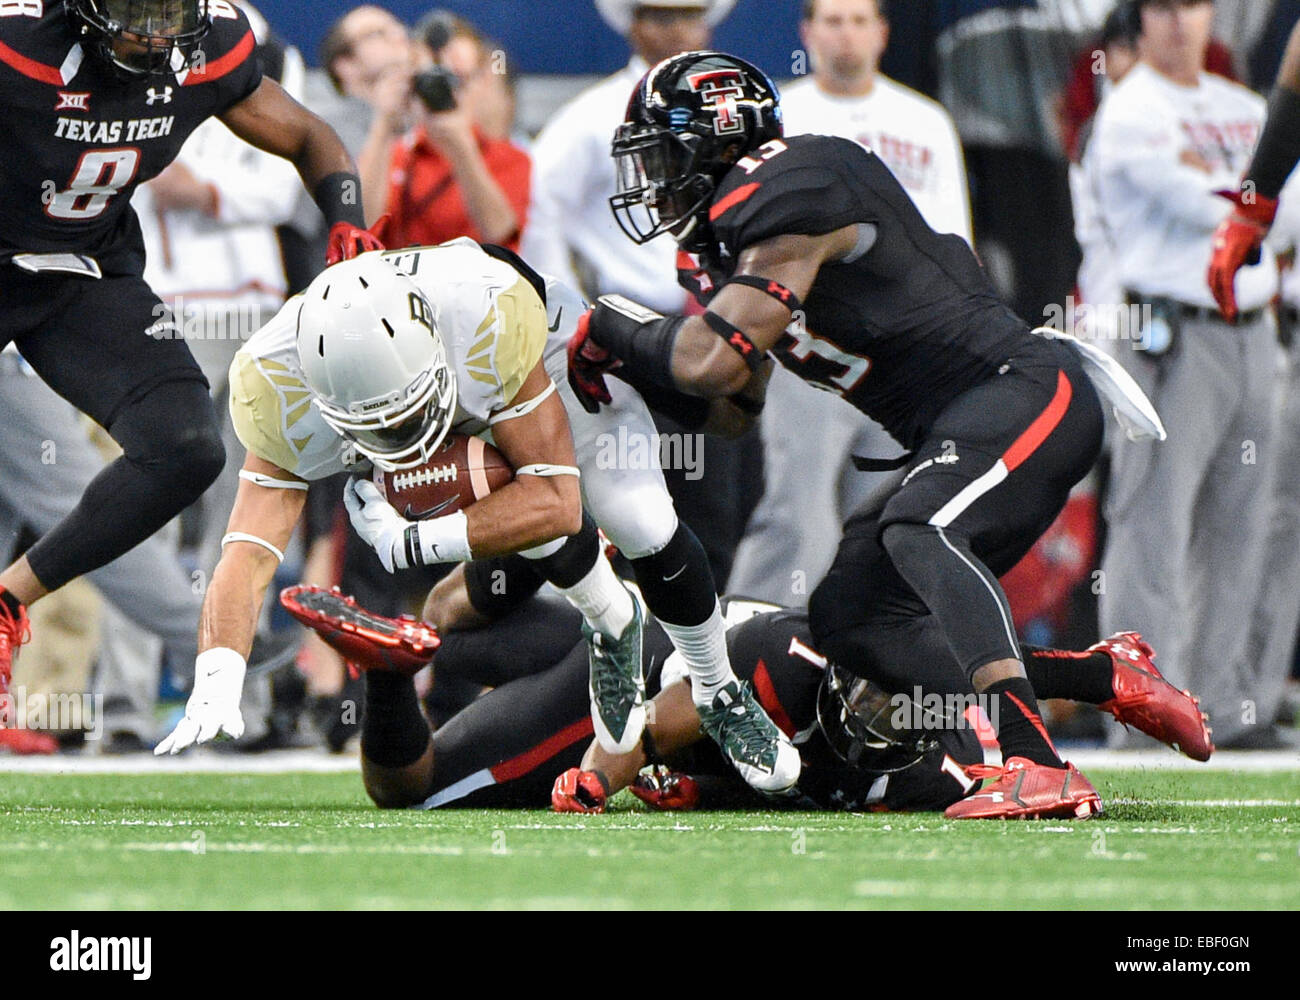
(747, 731)
(610, 683)
(981, 771)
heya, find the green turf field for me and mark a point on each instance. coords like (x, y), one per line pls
(1169, 840)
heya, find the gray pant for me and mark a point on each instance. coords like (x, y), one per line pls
(810, 488)
(1188, 517)
(45, 463)
(1277, 616)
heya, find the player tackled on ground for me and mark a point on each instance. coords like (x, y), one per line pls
(862, 747)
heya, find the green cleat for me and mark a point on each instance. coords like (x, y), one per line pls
(617, 685)
(765, 758)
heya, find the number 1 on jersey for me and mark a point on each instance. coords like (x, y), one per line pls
(100, 174)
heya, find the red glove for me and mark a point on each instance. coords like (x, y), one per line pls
(588, 365)
(1236, 243)
(578, 791)
(661, 788)
(347, 241)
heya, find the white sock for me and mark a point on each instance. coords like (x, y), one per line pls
(604, 602)
(704, 648)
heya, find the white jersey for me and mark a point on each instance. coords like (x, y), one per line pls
(913, 135)
(1150, 142)
(491, 320)
(571, 230)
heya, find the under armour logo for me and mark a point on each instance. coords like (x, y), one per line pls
(780, 291)
(156, 95)
(741, 343)
(73, 102)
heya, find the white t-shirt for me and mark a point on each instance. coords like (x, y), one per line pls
(914, 135)
(569, 215)
(1161, 211)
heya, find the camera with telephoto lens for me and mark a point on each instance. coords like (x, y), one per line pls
(436, 88)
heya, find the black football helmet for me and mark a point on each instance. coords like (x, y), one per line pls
(149, 30)
(690, 119)
(862, 724)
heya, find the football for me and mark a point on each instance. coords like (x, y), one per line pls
(462, 471)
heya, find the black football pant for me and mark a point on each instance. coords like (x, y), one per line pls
(915, 582)
(91, 343)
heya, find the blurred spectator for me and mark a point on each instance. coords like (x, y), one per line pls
(1103, 63)
(489, 95)
(448, 177)
(793, 535)
(572, 235)
(1109, 60)
(1187, 527)
(362, 91)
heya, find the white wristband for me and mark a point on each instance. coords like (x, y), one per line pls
(442, 540)
(218, 658)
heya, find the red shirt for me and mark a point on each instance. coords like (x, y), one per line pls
(425, 201)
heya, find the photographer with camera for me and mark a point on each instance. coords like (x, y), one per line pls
(447, 177)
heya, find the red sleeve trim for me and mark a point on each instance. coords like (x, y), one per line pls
(766, 692)
(231, 61)
(732, 200)
(30, 67)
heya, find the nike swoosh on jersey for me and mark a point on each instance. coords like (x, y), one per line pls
(558, 316)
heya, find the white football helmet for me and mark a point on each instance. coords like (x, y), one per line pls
(371, 353)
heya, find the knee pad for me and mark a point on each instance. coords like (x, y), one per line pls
(640, 521)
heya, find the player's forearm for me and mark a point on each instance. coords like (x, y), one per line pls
(674, 725)
(528, 512)
(234, 599)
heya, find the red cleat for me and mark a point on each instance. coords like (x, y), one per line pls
(1149, 703)
(662, 788)
(366, 641)
(578, 791)
(27, 742)
(1025, 790)
(13, 633)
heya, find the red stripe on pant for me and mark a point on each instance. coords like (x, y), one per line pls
(1041, 429)
(517, 767)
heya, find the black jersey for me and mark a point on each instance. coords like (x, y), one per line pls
(81, 137)
(899, 332)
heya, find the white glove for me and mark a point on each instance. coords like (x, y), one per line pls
(375, 520)
(214, 703)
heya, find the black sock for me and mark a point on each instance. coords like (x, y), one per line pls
(1058, 673)
(11, 603)
(394, 732)
(1020, 729)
